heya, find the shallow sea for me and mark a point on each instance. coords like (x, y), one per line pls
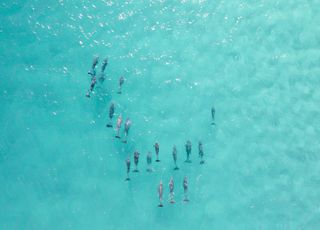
(256, 62)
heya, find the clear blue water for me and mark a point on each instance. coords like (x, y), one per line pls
(257, 62)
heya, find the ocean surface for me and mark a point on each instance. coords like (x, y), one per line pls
(256, 62)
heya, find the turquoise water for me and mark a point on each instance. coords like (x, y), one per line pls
(257, 62)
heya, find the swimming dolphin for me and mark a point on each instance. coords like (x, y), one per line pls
(104, 64)
(127, 126)
(103, 67)
(174, 154)
(93, 83)
(188, 150)
(213, 112)
(156, 148)
(185, 189)
(119, 122)
(128, 167)
(160, 193)
(121, 81)
(200, 147)
(111, 113)
(171, 187)
(149, 161)
(136, 161)
(92, 72)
